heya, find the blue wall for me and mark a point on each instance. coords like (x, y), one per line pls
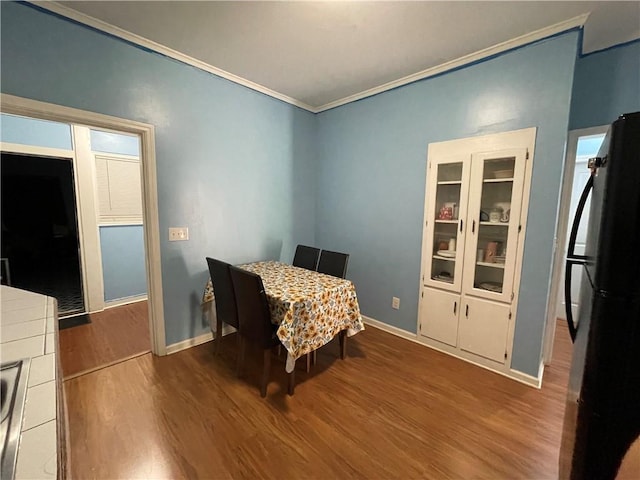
(606, 85)
(109, 142)
(123, 265)
(234, 166)
(372, 166)
(239, 168)
(30, 131)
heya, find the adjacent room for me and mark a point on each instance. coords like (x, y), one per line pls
(318, 239)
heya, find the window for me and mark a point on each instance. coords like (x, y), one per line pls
(118, 184)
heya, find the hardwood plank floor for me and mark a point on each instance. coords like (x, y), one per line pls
(392, 409)
(113, 335)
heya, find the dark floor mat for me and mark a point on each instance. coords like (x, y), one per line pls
(74, 321)
(57, 277)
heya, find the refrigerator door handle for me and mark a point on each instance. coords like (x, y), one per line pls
(573, 259)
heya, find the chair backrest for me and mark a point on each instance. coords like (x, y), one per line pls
(306, 257)
(253, 309)
(333, 263)
(225, 298)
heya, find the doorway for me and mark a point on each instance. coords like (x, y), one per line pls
(40, 238)
(582, 145)
(46, 111)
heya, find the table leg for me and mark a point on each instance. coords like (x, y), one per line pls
(292, 382)
(342, 336)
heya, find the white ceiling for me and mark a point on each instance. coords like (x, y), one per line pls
(318, 53)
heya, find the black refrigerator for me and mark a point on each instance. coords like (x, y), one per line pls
(602, 414)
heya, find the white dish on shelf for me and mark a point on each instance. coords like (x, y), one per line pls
(491, 286)
(446, 253)
(442, 278)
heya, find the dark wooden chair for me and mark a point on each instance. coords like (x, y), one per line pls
(306, 257)
(225, 298)
(333, 263)
(255, 322)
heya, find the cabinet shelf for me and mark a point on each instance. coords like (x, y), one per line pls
(497, 180)
(490, 265)
(446, 221)
(450, 182)
(448, 259)
(443, 280)
(495, 224)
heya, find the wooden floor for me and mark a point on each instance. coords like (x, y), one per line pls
(392, 409)
(113, 335)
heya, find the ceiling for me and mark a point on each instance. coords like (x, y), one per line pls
(321, 54)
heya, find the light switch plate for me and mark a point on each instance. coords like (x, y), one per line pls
(177, 234)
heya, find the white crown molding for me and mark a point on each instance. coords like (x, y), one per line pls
(520, 41)
(157, 47)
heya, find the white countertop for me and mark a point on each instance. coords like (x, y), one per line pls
(27, 330)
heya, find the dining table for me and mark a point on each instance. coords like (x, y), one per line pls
(310, 308)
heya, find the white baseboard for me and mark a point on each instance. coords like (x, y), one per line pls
(398, 332)
(125, 301)
(199, 340)
(189, 342)
(526, 378)
(512, 374)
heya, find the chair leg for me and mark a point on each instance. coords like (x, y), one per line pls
(314, 357)
(292, 382)
(218, 339)
(342, 336)
(242, 345)
(308, 362)
(266, 367)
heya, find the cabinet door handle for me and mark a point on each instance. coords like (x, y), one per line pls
(461, 224)
(466, 313)
(473, 226)
(455, 307)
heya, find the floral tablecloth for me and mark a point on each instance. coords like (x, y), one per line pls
(310, 307)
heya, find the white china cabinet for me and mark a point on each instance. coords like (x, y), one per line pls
(475, 215)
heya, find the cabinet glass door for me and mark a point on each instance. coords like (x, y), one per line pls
(494, 211)
(447, 200)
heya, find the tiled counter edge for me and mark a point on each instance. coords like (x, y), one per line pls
(29, 329)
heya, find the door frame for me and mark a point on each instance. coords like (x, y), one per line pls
(561, 231)
(48, 111)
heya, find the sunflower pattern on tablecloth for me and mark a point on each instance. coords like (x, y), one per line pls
(310, 307)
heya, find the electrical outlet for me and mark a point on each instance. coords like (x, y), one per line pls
(395, 303)
(177, 234)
